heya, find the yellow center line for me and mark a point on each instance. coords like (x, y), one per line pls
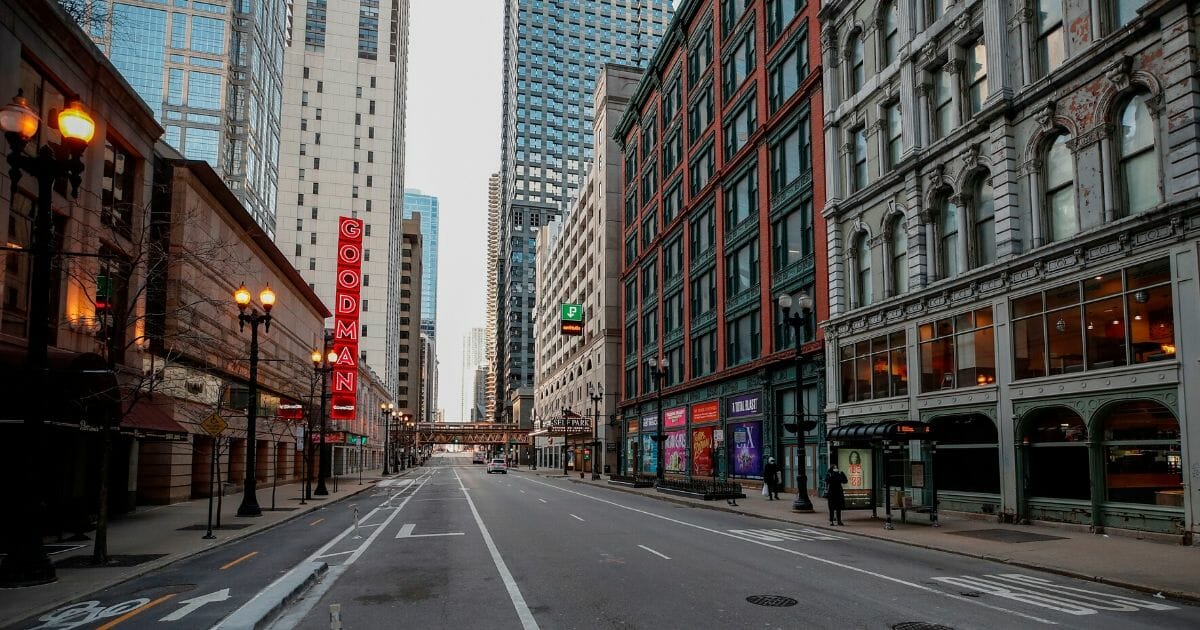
(245, 557)
(315, 522)
(138, 611)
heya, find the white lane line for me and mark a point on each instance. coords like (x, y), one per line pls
(406, 531)
(522, 492)
(664, 557)
(576, 517)
(542, 500)
(514, 593)
(809, 556)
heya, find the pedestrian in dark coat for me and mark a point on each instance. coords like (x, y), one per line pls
(834, 481)
(771, 478)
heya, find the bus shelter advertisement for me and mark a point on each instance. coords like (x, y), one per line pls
(746, 456)
(856, 463)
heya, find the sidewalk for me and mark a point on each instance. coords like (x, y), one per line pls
(156, 530)
(1144, 565)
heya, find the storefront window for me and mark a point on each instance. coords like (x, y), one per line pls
(1142, 457)
(958, 351)
(875, 368)
(1105, 321)
(1057, 459)
(968, 455)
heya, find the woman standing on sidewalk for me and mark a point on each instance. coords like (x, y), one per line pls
(834, 480)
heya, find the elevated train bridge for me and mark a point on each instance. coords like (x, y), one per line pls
(470, 433)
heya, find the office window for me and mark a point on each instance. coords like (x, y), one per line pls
(702, 233)
(898, 244)
(703, 293)
(672, 151)
(700, 114)
(650, 327)
(672, 313)
(741, 199)
(649, 182)
(792, 236)
(787, 74)
(731, 12)
(650, 281)
(1124, 12)
(1050, 45)
(862, 270)
(947, 224)
(890, 33)
(1138, 160)
(958, 351)
(738, 64)
(780, 13)
(977, 90)
(874, 368)
(672, 201)
(858, 158)
(740, 127)
(1059, 186)
(856, 70)
(983, 199)
(741, 269)
(670, 101)
(704, 354)
(791, 157)
(701, 169)
(895, 134)
(743, 339)
(700, 56)
(943, 104)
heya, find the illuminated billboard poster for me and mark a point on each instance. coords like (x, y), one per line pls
(344, 389)
(856, 464)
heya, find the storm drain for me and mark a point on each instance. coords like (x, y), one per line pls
(773, 601)
(920, 625)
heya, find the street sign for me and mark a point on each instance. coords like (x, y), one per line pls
(571, 323)
(214, 425)
(718, 436)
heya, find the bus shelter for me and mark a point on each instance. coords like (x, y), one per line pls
(888, 463)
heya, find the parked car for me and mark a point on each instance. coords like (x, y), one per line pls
(497, 465)
(478, 458)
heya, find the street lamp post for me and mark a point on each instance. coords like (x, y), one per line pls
(247, 314)
(323, 365)
(596, 395)
(658, 373)
(565, 447)
(386, 409)
(410, 441)
(798, 320)
(27, 564)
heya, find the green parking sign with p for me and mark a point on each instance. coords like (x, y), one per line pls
(572, 312)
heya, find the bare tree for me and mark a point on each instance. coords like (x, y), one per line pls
(90, 15)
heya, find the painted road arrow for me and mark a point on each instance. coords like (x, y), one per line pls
(194, 604)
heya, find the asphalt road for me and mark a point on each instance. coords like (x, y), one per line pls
(451, 547)
(457, 548)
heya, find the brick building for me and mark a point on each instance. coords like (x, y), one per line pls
(719, 193)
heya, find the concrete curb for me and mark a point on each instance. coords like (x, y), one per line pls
(1135, 586)
(262, 608)
(172, 559)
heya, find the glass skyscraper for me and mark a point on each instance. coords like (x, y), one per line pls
(427, 205)
(553, 51)
(213, 74)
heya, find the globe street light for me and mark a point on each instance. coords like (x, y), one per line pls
(247, 314)
(322, 365)
(386, 409)
(659, 368)
(798, 320)
(27, 564)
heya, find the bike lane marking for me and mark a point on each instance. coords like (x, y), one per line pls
(801, 554)
(135, 612)
(235, 562)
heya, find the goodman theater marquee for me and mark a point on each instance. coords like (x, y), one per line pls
(345, 325)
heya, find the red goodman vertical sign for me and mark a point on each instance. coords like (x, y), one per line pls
(345, 319)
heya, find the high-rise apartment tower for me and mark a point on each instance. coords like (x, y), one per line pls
(427, 205)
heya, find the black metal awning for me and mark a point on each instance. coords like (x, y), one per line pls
(892, 430)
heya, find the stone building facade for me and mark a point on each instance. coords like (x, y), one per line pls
(579, 262)
(722, 198)
(1012, 224)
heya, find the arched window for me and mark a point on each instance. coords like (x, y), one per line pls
(899, 255)
(862, 263)
(984, 218)
(1056, 461)
(968, 454)
(891, 33)
(1143, 462)
(948, 239)
(1061, 214)
(1139, 164)
(857, 70)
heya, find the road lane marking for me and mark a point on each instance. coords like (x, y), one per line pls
(522, 492)
(801, 554)
(302, 608)
(315, 522)
(542, 500)
(514, 593)
(245, 557)
(194, 604)
(133, 613)
(664, 557)
(780, 535)
(576, 517)
(406, 531)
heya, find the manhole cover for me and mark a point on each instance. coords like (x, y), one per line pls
(920, 625)
(774, 601)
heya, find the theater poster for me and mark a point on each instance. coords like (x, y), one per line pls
(745, 456)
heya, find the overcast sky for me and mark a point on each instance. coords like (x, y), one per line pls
(452, 146)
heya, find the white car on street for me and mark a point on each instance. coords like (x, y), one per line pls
(497, 465)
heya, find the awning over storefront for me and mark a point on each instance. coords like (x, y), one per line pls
(148, 415)
(892, 430)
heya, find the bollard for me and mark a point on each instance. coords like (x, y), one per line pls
(354, 506)
(335, 617)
